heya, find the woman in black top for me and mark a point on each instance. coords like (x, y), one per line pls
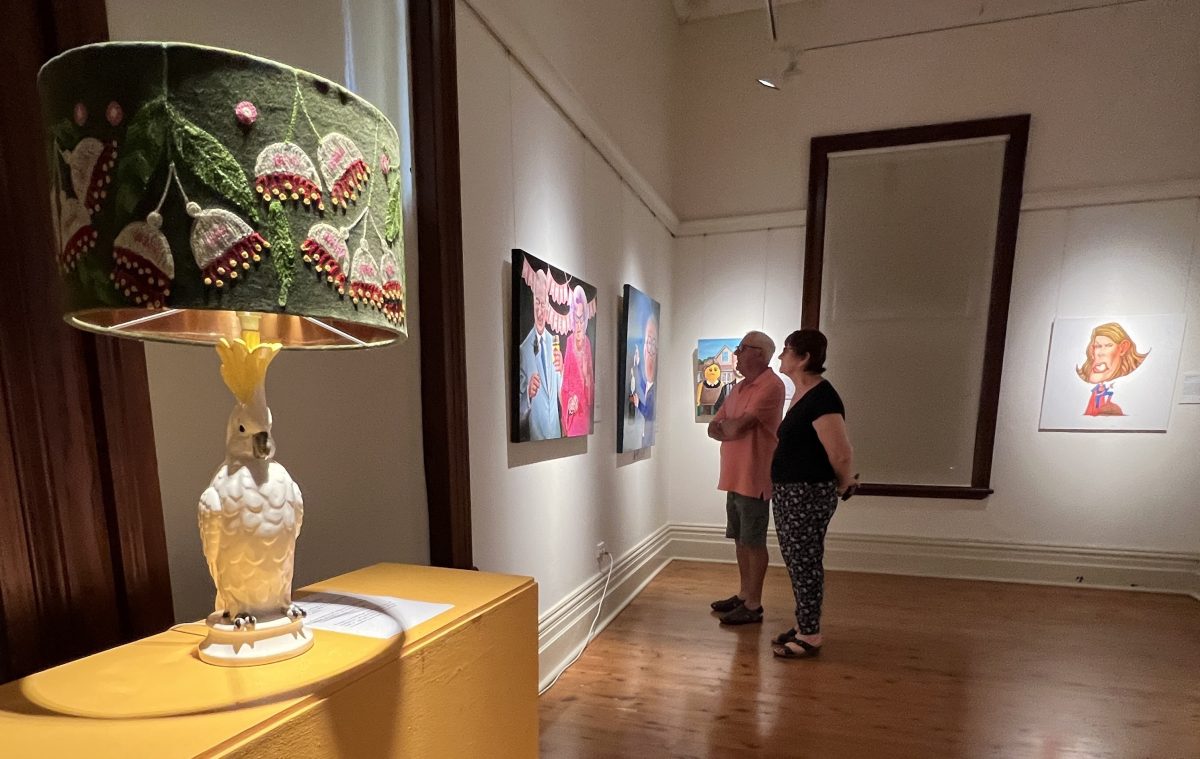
(813, 465)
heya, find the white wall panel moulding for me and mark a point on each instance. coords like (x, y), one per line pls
(1108, 196)
(748, 223)
(563, 95)
(1086, 566)
(1031, 201)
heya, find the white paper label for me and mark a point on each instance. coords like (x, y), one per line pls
(369, 616)
(1191, 388)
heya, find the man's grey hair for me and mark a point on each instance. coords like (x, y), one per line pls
(762, 340)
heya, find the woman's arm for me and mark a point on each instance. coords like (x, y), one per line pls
(831, 431)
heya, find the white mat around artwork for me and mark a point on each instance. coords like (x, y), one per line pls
(1143, 395)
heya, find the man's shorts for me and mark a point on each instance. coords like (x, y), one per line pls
(746, 519)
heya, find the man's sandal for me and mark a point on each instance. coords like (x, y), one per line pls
(743, 616)
(807, 650)
(727, 604)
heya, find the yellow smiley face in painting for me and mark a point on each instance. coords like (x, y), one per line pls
(712, 374)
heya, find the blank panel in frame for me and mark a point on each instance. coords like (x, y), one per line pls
(908, 270)
(904, 289)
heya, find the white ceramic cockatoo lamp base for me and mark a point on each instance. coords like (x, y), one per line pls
(250, 517)
(261, 643)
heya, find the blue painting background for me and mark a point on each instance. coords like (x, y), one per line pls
(636, 426)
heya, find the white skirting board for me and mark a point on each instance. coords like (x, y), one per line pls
(562, 629)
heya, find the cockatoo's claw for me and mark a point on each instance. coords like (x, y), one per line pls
(295, 612)
(242, 621)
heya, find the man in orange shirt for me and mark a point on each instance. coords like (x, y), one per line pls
(746, 425)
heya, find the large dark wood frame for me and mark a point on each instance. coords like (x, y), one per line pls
(1016, 129)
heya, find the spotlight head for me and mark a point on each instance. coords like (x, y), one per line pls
(776, 79)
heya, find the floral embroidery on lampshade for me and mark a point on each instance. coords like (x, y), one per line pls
(284, 171)
(366, 288)
(393, 291)
(145, 267)
(246, 113)
(75, 232)
(344, 168)
(91, 164)
(222, 244)
(179, 172)
(325, 250)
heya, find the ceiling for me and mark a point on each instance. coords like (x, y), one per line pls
(815, 24)
(694, 10)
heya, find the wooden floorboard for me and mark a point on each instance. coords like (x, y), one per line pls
(913, 667)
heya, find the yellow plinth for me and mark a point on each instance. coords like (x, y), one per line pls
(461, 684)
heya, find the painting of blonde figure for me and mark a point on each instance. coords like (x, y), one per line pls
(1112, 373)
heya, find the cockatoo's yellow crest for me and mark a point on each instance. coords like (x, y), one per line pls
(244, 363)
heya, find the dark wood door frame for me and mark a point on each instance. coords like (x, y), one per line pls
(440, 262)
(83, 558)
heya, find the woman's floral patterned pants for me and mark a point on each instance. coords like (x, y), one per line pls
(802, 514)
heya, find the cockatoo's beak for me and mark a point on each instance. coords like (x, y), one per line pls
(263, 449)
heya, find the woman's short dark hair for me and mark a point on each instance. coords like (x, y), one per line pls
(810, 342)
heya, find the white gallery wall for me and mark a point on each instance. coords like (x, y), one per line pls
(1106, 90)
(1112, 93)
(618, 57)
(531, 181)
(1108, 490)
(347, 423)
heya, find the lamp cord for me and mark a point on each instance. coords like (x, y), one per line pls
(591, 630)
(181, 625)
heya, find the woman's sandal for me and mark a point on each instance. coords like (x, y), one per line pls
(784, 637)
(807, 650)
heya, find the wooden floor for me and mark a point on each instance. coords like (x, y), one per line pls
(912, 667)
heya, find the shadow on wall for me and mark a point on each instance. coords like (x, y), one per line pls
(531, 452)
(633, 457)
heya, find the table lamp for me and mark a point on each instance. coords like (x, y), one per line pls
(209, 197)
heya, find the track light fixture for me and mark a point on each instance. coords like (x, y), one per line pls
(776, 79)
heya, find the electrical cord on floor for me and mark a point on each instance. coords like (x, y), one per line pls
(591, 630)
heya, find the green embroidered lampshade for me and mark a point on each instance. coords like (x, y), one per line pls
(191, 183)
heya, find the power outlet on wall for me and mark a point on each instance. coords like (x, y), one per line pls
(601, 549)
